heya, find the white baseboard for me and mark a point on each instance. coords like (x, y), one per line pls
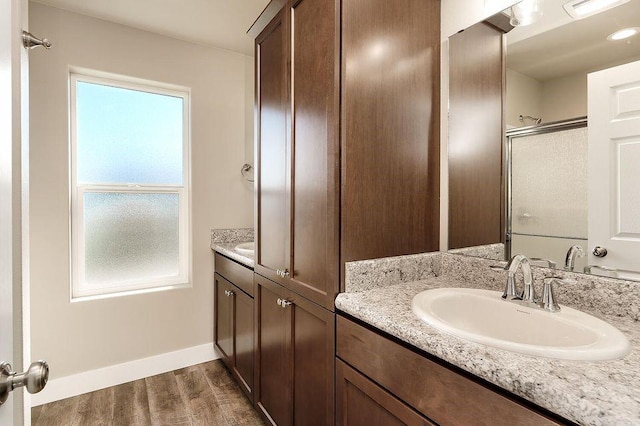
(89, 381)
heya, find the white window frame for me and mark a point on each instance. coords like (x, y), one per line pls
(79, 290)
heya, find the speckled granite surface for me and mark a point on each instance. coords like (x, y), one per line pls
(233, 235)
(224, 242)
(488, 251)
(228, 249)
(590, 393)
(367, 274)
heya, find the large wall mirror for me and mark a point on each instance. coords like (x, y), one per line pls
(544, 138)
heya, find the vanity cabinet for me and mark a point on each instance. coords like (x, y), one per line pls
(433, 389)
(362, 402)
(294, 357)
(234, 320)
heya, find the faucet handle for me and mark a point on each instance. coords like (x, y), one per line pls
(549, 263)
(510, 292)
(548, 301)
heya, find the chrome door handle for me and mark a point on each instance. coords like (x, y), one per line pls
(285, 303)
(284, 273)
(228, 293)
(34, 379)
(599, 251)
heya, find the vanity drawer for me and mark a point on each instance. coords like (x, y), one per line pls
(436, 391)
(238, 274)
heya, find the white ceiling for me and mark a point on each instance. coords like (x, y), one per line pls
(219, 23)
(558, 46)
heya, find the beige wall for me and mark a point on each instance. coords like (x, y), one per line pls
(248, 109)
(523, 97)
(81, 336)
(564, 98)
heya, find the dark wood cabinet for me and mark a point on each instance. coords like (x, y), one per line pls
(431, 388)
(223, 324)
(272, 152)
(476, 136)
(347, 168)
(360, 402)
(315, 149)
(234, 321)
(390, 120)
(298, 150)
(294, 354)
(348, 138)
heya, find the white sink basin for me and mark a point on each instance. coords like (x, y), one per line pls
(483, 316)
(246, 248)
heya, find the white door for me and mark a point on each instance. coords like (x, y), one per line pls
(614, 168)
(13, 198)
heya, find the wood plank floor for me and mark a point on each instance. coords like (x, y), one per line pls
(201, 395)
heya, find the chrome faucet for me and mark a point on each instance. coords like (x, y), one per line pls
(573, 253)
(528, 293)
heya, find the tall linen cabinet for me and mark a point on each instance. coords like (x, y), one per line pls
(347, 168)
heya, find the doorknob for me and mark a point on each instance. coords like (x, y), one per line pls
(34, 379)
(29, 41)
(599, 251)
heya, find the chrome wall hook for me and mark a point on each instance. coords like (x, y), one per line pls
(246, 168)
(29, 41)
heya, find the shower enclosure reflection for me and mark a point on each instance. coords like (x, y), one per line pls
(547, 191)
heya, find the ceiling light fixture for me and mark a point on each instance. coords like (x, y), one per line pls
(622, 34)
(580, 9)
(525, 12)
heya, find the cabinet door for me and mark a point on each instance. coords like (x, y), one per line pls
(223, 324)
(361, 402)
(273, 390)
(272, 164)
(244, 340)
(315, 167)
(390, 128)
(313, 363)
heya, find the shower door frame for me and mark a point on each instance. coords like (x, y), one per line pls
(510, 135)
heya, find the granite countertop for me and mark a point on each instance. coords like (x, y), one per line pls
(229, 250)
(225, 240)
(590, 393)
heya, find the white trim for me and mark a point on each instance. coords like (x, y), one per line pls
(89, 381)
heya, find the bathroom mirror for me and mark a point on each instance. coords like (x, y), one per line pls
(521, 178)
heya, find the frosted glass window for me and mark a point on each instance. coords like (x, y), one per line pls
(129, 185)
(130, 237)
(128, 136)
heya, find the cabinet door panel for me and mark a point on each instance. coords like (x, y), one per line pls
(362, 402)
(314, 351)
(273, 386)
(223, 325)
(390, 128)
(244, 340)
(315, 96)
(272, 165)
